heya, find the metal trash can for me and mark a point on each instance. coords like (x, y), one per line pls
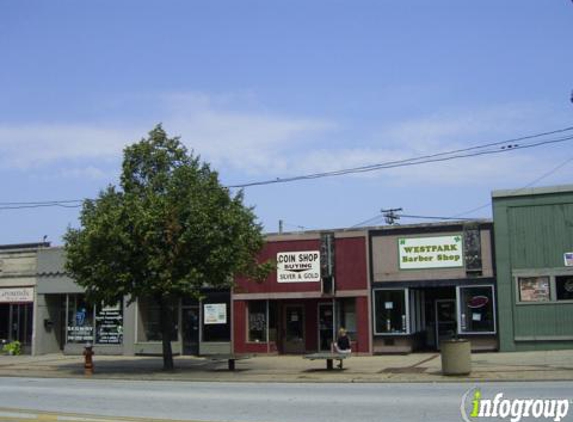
(456, 357)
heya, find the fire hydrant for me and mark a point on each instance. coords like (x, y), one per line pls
(88, 361)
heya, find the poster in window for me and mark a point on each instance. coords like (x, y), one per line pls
(215, 313)
(109, 323)
(534, 289)
(257, 321)
(81, 328)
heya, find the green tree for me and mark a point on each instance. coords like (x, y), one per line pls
(169, 230)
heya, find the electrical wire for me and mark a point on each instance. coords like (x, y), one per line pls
(458, 216)
(540, 178)
(474, 151)
(32, 206)
(370, 221)
(66, 201)
(441, 157)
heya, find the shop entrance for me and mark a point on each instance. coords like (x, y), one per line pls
(325, 326)
(294, 329)
(433, 316)
(445, 320)
(190, 326)
(16, 323)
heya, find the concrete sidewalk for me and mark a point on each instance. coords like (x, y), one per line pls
(416, 367)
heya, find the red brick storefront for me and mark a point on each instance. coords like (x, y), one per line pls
(294, 315)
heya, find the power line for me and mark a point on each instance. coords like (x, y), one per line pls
(440, 157)
(32, 206)
(478, 150)
(540, 178)
(426, 217)
(372, 220)
(379, 217)
(65, 201)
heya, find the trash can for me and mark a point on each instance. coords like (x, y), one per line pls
(456, 357)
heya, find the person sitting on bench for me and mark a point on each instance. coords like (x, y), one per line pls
(342, 344)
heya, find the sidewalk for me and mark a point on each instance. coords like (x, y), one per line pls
(417, 367)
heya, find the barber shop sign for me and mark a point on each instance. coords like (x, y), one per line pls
(430, 252)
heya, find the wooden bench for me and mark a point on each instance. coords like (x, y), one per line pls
(230, 358)
(329, 357)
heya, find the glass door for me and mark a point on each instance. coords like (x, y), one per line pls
(4, 323)
(190, 331)
(446, 322)
(294, 330)
(325, 326)
(18, 319)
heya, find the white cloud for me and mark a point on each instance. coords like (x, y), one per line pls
(89, 172)
(36, 145)
(236, 134)
(253, 142)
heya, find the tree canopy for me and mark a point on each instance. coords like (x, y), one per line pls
(169, 230)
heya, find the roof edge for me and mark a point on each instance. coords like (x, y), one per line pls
(544, 190)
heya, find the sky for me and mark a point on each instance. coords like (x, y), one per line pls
(267, 90)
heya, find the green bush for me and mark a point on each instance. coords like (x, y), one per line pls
(13, 348)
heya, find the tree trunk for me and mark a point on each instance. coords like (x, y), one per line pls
(166, 317)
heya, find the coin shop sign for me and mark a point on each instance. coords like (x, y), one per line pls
(298, 267)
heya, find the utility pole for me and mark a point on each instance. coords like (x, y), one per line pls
(390, 215)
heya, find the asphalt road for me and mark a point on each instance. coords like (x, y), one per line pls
(275, 402)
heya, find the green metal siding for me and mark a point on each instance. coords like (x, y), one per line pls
(532, 232)
(540, 234)
(505, 299)
(544, 320)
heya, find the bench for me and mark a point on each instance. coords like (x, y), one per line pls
(230, 358)
(329, 357)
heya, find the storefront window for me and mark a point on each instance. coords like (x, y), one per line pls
(390, 311)
(80, 327)
(273, 320)
(217, 317)
(109, 324)
(477, 309)
(258, 321)
(564, 287)
(347, 316)
(150, 322)
(84, 319)
(534, 289)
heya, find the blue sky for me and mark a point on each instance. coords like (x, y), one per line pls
(267, 90)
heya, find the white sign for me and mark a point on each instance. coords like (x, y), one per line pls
(430, 252)
(17, 295)
(568, 258)
(215, 313)
(298, 267)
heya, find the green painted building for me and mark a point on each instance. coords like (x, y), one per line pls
(533, 231)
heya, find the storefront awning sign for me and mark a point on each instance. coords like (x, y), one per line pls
(430, 252)
(298, 267)
(17, 295)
